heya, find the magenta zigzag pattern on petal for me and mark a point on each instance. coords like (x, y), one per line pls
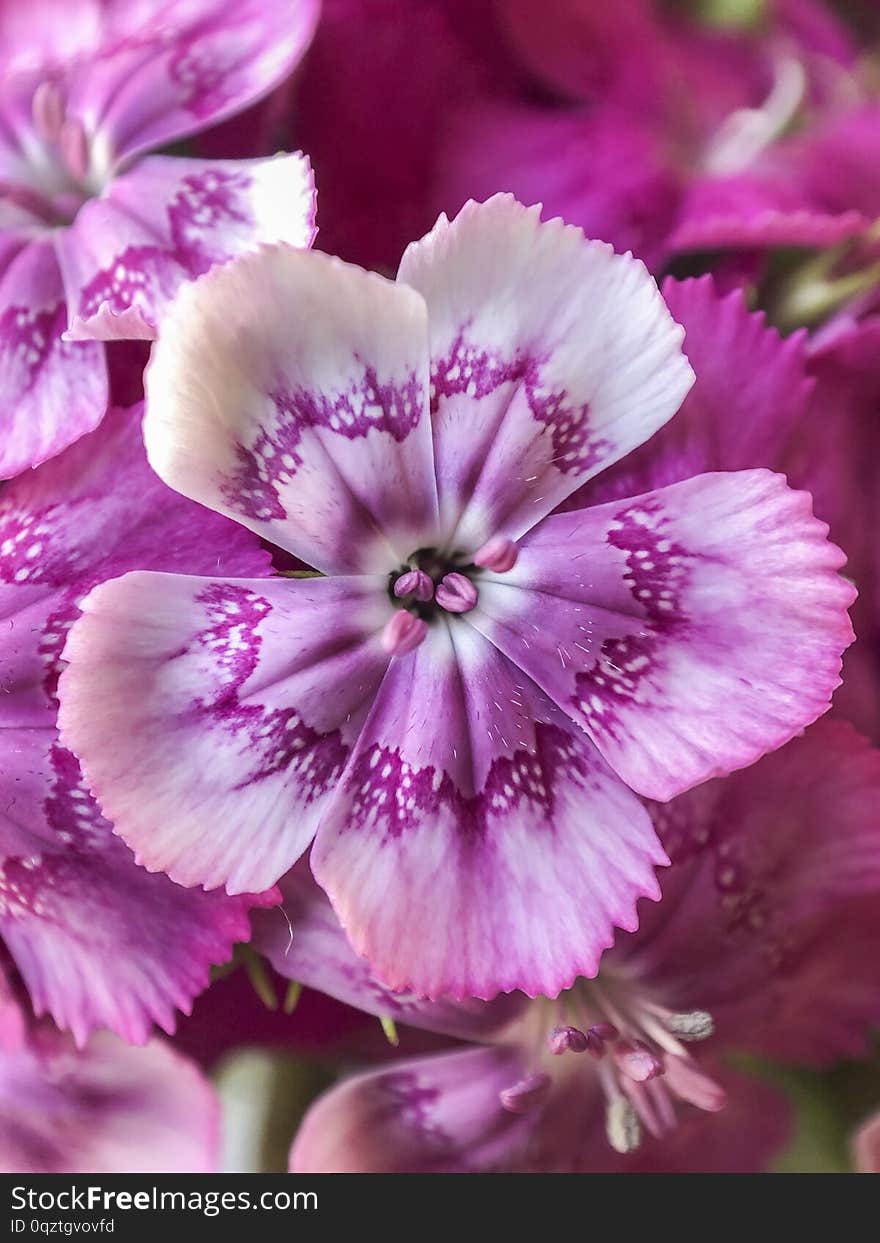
(274, 458)
(279, 740)
(401, 797)
(146, 275)
(199, 68)
(656, 574)
(467, 369)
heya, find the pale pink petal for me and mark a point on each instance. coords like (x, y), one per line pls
(51, 391)
(33, 39)
(161, 70)
(473, 808)
(304, 941)
(213, 717)
(170, 220)
(289, 391)
(434, 1115)
(106, 1109)
(551, 357)
(688, 630)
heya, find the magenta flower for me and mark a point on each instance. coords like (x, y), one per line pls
(97, 941)
(106, 1108)
(763, 943)
(95, 236)
(665, 136)
(462, 703)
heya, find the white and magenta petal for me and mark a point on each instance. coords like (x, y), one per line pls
(170, 220)
(433, 1115)
(161, 71)
(290, 391)
(688, 630)
(472, 806)
(303, 940)
(52, 391)
(108, 1108)
(551, 357)
(213, 717)
(98, 941)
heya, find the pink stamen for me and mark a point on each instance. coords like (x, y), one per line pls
(415, 583)
(644, 1103)
(74, 147)
(595, 1044)
(567, 1039)
(637, 1062)
(403, 633)
(525, 1095)
(598, 1034)
(47, 108)
(498, 554)
(691, 1084)
(456, 593)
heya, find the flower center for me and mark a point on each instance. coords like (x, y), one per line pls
(61, 168)
(434, 583)
(637, 1048)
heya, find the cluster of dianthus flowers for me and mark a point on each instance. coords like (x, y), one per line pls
(449, 626)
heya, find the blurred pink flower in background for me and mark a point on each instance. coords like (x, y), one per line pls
(95, 235)
(97, 940)
(103, 1108)
(762, 943)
